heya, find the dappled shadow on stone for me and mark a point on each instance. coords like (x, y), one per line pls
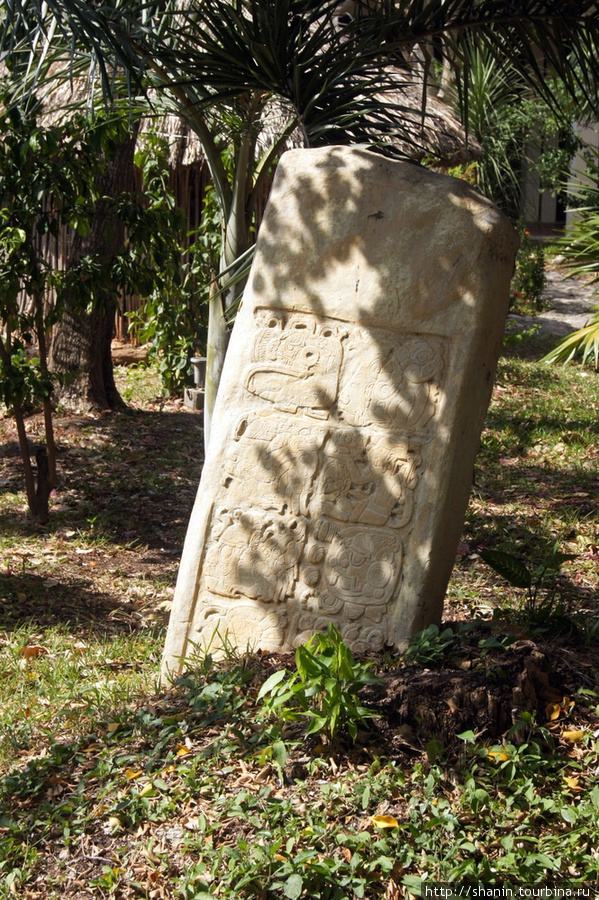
(340, 463)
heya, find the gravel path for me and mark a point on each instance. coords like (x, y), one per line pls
(570, 300)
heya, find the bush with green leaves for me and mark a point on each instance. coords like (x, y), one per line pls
(518, 130)
(540, 611)
(324, 689)
(430, 646)
(46, 171)
(173, 314)
(528, 283)
(529, 577)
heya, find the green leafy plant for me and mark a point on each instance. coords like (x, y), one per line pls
(584, 343)
(515, 335)
(529, 279)
(324, 689)
(175, 296)
(44, 173)
(528, 577)
(429, 646)
(515, 127)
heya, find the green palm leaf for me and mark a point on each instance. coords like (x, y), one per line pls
(583, 343)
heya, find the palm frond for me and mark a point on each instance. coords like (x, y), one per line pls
(337, 78)
(583, 343)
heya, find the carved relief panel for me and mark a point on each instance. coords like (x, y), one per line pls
(320, 480)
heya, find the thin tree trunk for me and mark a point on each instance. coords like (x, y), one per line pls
(37, 496)
(47, 405)
(215, 357)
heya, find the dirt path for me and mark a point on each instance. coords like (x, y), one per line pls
(570, 302)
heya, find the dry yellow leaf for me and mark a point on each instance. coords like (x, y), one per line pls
(384, 821)
(553, 711)
(498, 755)
(573, 737)
(148, 790)
(573, 782)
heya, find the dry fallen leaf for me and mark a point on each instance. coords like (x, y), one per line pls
(574, 736)
(553, 711)
(392, 892)
(384, 821)
(32, 652)
(573, 783)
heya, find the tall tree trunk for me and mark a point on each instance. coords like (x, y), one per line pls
(81, 343)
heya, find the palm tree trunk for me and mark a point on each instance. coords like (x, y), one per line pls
(235, 242)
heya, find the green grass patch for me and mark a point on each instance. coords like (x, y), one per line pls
(112, 786)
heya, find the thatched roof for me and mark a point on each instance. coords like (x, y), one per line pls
(437, 134)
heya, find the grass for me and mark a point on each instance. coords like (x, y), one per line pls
(112, 786)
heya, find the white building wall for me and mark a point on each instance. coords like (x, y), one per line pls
(590, 137)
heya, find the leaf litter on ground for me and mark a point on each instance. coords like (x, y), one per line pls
(113, 786)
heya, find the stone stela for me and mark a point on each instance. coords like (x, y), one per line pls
(350, 410)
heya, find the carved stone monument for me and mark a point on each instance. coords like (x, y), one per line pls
(350, 409)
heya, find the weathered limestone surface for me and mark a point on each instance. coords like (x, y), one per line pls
(349, 414)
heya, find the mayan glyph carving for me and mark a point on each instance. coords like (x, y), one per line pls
(398, 384)
(350, 408)
(296, 361)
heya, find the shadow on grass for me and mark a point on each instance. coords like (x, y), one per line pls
(126, 484)
(74, 605)
(531, 349)
(122, 478)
